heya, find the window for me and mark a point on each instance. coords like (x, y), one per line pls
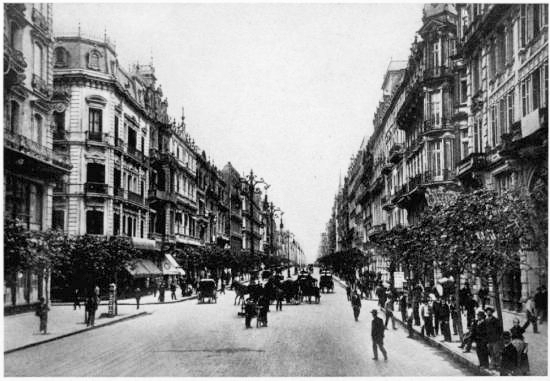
(494, 125)
(492, 60)
(510, 109)
(95, 173)
(59, 122)
(435, 54)
(132, 138)
(14, 116)
(534, 90)
(477, 135)
(509, 45)
(503, 182)
(501, 50)
(58, 219)
(116, 131)
(14, 36)
(95, 120)
(39, 61)
(116, 224)
(476, 75)
(463, 91)
(61, 57)
(464, 143)
(433, 106)
(93, 60)
(36, 133)
(434, 158)
(502, 117)
(94, 222)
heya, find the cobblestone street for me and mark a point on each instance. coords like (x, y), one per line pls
(190, 339)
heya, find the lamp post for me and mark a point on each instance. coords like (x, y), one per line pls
(251, 181)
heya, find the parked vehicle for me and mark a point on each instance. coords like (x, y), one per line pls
(207, 290)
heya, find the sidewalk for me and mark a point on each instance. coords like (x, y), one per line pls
(538, 343)
(21, 330)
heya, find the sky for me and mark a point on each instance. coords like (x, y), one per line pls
(288, 90)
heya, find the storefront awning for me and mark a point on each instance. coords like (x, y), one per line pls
(188, 241)
(140, 268)
(170, 266)
(144, 244)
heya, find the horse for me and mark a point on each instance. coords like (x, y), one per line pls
(240, 291)
(291, 290)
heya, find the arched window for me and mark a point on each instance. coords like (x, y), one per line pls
(14, 35)
(93, 59)
(61, 57)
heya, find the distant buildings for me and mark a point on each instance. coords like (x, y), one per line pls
(467, 110)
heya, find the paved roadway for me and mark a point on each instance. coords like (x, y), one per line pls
(187, 339)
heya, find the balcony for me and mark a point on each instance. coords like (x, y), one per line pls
(94, 136)
(396, 153)
(59, 135)
(119, 192)
(100, 188)
(433, 74)
(135, 154)
(135, 197)
(40, 20)
(376, 229)
(40, 85)
(162, 195)
(13, 58)
(23, 145)
(119, 143)
(434, 125)
(471, 163)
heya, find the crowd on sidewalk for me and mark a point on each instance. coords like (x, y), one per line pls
(499, 343)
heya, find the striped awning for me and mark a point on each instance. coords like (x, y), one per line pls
(170, 266)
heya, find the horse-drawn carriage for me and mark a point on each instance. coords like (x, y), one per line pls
(326, 282)
(308, 288)
(207, 290)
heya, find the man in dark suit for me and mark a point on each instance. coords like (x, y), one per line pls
(377, 333)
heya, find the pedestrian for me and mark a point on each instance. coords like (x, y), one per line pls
(479, 336)
(518, 342)
(426, 317)
(541, 304)
(436, 306)
(162, 290)
(509, 359)
(455, 315)
(471, 306)
(403, 306)
(249, 312)
(494, 335)
(42, 312)
(464, 295)
(531, 313)
(91, 307)
(410, 318)
(389, 313)
(222, 287)
(444, 315)
(138, 297)
(76, 298)
(155, 288)
(263, 303)
(377, 334)
(356, 305)
(482, 295)
(173, 291)
(279, 296)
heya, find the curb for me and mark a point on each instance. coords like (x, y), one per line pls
(133, 304)
(455, 356)
(75, 332)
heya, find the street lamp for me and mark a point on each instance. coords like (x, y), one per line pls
(251, 181)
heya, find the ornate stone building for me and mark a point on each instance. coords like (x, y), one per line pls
(31, 167)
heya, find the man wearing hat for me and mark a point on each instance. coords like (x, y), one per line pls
(494, 334)
(377, 333)
(509, 359)
(479, 336)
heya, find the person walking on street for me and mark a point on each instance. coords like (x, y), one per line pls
(482, 295)
(279, 296)
(479, 336)
(426, 318)
(389, 313)
(541, 304)
(410, 319)
(76, 298)
(377, 334)
(403, 306)
(138, 297)
(436, 305)
(155, 288)
(455, 315)
(356, 305)
(173, 291)
(494, 334)
(162, 290)
(509, 359)
(222, 287)
(531, 313)
(444, 315)
(249, 312)
(91, 307)
(42, 312)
